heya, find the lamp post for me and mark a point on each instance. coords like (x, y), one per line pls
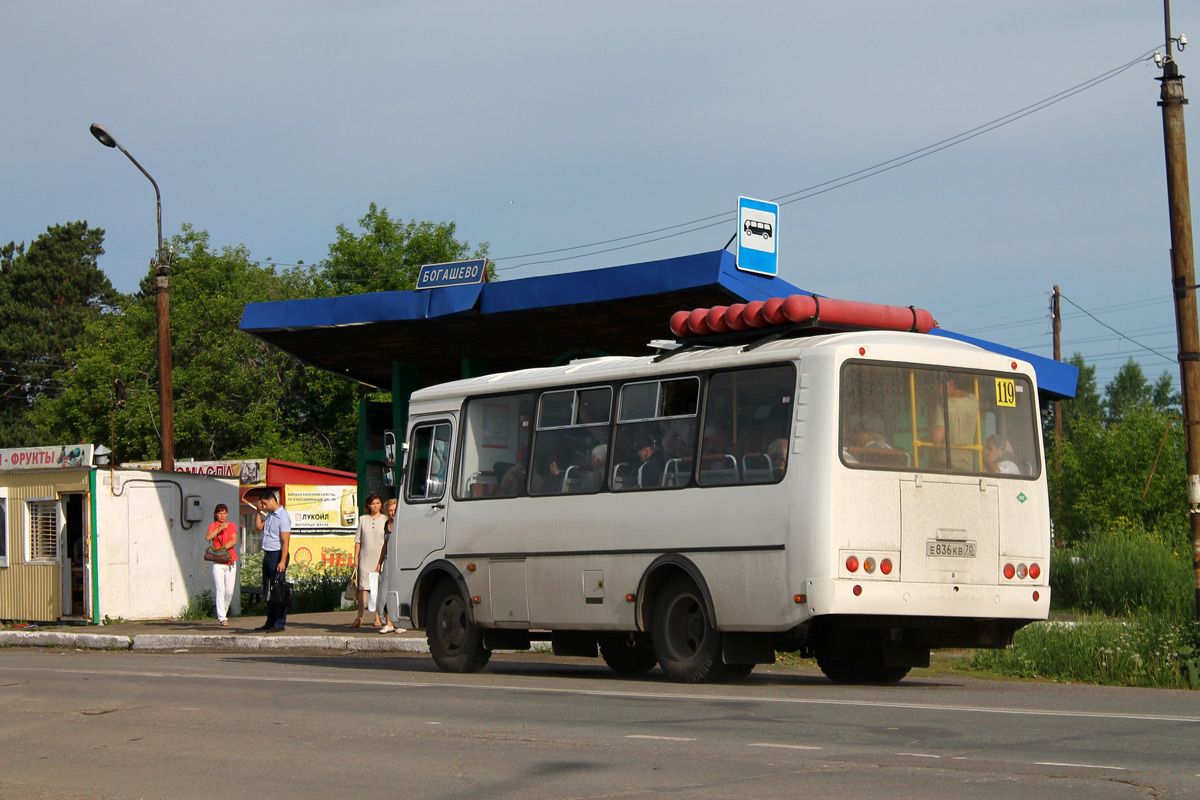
(162, 308)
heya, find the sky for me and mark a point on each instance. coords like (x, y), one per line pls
(539, 126)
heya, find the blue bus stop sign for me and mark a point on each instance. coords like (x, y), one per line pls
(758, 236)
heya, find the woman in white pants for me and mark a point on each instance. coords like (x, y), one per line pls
(223, 535)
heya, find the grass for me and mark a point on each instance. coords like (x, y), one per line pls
(1141, 650)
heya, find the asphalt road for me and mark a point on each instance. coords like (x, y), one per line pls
(211, 725)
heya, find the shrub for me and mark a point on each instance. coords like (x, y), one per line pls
(202, 606)
(1144, 650)
(1121, 572)
(316, 587)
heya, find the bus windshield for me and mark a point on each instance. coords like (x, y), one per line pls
(937, 420)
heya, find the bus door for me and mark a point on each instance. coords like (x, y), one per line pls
(421, 530)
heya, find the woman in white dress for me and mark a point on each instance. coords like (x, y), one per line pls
(368, 543)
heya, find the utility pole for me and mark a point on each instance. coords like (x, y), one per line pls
(1183, 279)
(1055, 313)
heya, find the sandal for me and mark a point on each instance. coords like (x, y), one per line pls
(378, 623)
(356, 624)
(225, 624)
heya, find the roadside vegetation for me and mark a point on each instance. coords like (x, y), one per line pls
(1124, 617)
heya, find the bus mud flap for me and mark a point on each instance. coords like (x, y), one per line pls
(748, 648)
(900, 654)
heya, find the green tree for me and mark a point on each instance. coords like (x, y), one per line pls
(234, 395)
(1115, 475)
(388, 253)
(1085, 405)
(1163, 395)
(50, 294)
(1127, 390)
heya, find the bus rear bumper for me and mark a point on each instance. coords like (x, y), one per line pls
(865, 597)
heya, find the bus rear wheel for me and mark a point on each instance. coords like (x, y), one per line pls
(625, 659)
(687, 645)
(861, 665)
(455, 642)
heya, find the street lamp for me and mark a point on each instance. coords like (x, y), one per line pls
(162, 308)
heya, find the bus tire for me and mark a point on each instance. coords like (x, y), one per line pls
(687, 645)
(861, 665)
(455, 642)
(624, 659)
(737, 672)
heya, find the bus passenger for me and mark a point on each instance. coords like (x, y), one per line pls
(595, 479)
(513, 481)
(777, 452)
(964, 421)
(997, 457)
(653, 461)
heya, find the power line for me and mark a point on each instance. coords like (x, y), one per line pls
(1114, 330)
(835, 183)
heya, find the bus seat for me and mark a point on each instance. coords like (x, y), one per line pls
(575, 480)
(718, 470)
(623, 476)
(756, 468)
(677, 472)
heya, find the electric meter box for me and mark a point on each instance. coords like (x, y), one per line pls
(192, 510)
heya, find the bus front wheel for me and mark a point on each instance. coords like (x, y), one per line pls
(455, 642)
(687, 645)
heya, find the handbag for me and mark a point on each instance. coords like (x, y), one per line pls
(218, 555)
(280, 592)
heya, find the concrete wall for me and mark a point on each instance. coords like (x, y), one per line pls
(150, 559)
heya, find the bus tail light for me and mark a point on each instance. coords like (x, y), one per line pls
(1035, 571)
(1036, 596)
(1009, 571)
(868, 564)
(857, 590)
(1022, 571)
(801, 599)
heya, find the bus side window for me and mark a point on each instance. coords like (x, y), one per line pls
(747, 418)
(571, 437)
(495, 446)
(656, 433)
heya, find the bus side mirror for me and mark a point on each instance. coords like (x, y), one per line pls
(389, 457)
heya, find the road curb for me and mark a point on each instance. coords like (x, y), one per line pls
(86, 641)
(100, 641)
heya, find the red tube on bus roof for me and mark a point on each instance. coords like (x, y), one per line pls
(820, 312)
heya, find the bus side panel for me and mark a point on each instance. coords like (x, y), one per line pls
(737, 533)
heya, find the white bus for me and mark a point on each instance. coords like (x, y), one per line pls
(859, 497)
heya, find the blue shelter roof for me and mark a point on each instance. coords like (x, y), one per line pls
(515, 324)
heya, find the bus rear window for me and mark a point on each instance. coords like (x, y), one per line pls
(937, 420)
